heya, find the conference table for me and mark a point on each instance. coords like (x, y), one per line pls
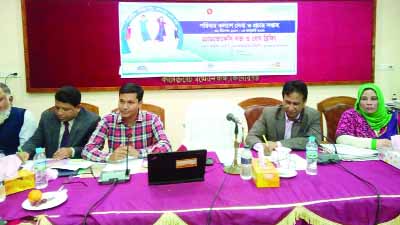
(334, 196)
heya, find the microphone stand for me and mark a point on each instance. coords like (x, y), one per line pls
(234, 168)
(127, 171)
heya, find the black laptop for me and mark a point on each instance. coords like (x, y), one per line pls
(176, 167)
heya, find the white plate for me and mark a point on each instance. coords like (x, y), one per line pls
(284, 173)
(56, 198)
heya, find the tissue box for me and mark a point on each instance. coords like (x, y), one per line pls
(23, 181)
(265, 177)
(391, 157)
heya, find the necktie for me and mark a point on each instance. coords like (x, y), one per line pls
(65, 137)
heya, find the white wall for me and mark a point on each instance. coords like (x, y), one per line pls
(387, 51)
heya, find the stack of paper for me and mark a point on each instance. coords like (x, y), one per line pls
(69, 164)
(134, 165)
(351, 153)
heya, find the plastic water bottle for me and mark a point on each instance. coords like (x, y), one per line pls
(312, 156)
(39, 166)
(2, 191)
(245, 166)
(394, 97)
(396, 101)
(2, 187)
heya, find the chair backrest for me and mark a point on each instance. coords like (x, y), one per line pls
(89, 107)
(332, 109)
(206, 127)
(159, 111)
(253, 108)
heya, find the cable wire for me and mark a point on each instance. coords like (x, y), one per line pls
(99, 201)
(215, 198)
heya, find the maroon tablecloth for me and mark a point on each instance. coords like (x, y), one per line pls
(333, 194)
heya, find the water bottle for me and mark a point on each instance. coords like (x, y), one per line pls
(2, 187)
(245, 166)
(312, 156)
(39, 166)
(396, 101)
(394, 97)
(2, 191)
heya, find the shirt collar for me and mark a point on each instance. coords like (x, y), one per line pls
(70, 122)
(139, 118)
(287, 119)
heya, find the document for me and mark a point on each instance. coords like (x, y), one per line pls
(134, 165)
(69, 164)
(351, 153)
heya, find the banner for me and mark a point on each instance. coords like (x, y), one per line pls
(207, 39)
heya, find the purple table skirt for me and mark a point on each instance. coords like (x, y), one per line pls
(333, 194)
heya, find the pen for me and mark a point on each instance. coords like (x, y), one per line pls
(265, 139)
(261, 154)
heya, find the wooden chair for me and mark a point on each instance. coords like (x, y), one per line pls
(159, 111)
(90, 107)
(87, 106)
(253, 108)
(156, 110)
(332, 109)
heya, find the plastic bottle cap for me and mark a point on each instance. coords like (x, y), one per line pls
(39, 150)
(311, 138)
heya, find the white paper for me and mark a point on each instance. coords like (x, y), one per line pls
(69, 164)
(351, 153)
(134, 165)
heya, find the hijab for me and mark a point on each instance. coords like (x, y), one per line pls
(381, 116)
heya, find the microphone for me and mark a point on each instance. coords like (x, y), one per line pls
(9, 75)
(327, 157)
(117, 176)
(231, 117)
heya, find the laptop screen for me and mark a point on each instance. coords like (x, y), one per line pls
(176, 167)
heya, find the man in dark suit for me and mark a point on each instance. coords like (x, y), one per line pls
(64, 130)
(287, 125)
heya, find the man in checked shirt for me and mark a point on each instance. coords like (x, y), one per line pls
(129, 128)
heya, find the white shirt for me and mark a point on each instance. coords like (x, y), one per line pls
(288, 126)
(28, 128)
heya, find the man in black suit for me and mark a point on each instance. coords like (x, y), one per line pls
(64, 130)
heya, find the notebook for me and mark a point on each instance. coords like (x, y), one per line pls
(176, 167)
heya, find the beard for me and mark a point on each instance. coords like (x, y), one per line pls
(4, 115)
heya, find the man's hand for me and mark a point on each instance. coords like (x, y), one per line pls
(63, 153)
(270, 147)
(23, 156)
(120, 153)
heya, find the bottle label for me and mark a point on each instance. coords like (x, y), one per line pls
(40, 164)
(312, 154)
(245, 160)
